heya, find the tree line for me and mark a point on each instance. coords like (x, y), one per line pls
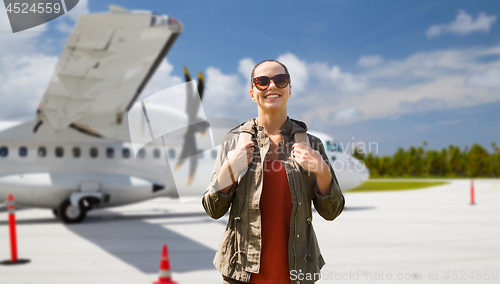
(447, 162)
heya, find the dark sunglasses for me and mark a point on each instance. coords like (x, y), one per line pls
(263, 82)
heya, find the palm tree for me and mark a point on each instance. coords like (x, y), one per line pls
(495, 147)
(398, 163)
(477, 159)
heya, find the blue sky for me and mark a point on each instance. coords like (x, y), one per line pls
(392, 72)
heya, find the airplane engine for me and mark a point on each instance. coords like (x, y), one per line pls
(74, 194)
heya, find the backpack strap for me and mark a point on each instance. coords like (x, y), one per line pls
(243, 139)
(301, 137)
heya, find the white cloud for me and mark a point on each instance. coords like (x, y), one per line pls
(347, 81)
(162, 79)
(347, 113)
(487, 79)
(334, 78)
(67, 22)
(65, 26)
(422, 127)
(298, 71)
(223, 91)
(332, 81)
(421, 82)
(424, 81)
(423, 104)
(24, 72)
(19, 43)
(222, 87)
(81, 8)
(428, 66)
(245, 68)
(23, 80)
(447, 122)
(370, 60)
(464, 24)
(434, 31)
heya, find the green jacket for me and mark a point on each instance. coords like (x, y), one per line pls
(238, 254)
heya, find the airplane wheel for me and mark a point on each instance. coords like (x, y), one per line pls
(71, 214)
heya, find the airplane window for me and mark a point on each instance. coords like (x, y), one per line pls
(42, 151)
(339, 148)
(156, 153)
(171, 153)
(142, 153)
(214, 154)
(59, 152)
(333, 146)
(94, 152)
(76, 152)
(110, 152)
(23, 151)
(329, 146)
(4, 151)
(126, 153)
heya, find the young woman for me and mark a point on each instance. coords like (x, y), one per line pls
(269, 182)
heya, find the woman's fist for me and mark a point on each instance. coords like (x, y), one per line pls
(241, 157)
(311, 160)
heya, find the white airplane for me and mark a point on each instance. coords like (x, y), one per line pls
(77, 155)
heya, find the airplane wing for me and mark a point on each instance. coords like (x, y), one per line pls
(107, 61)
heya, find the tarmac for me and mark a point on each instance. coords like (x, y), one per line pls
(431, 235)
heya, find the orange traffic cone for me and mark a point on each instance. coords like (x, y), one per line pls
(11, 206)
(164, 276)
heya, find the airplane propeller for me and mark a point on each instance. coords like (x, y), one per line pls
(189, 149)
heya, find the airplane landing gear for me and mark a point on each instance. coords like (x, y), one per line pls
(71, 214)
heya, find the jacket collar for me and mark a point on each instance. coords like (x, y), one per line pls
(290, 127)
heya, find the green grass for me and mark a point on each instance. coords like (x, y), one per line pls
(372, 186)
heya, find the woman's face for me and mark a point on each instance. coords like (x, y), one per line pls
(273, 98)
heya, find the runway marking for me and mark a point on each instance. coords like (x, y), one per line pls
(495, 185)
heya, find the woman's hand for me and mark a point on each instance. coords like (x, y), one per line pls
(312, 161)
(240, 157)
(308, 158)
(237, 161)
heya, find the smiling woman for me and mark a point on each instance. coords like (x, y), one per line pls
(269, 171)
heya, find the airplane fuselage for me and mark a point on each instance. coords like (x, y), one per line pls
(44, 168)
